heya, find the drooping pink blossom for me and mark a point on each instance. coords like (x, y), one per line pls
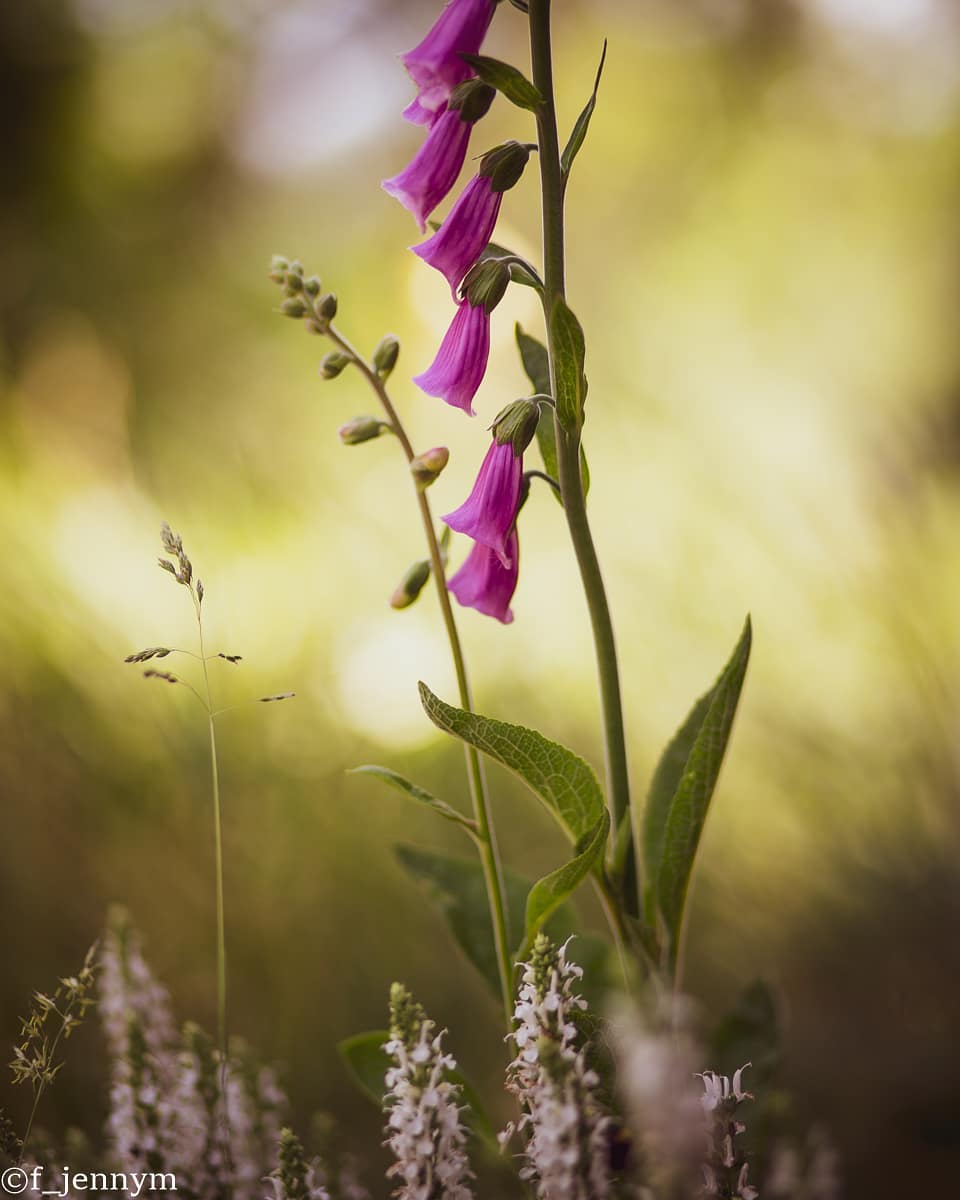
(489, 512)
(422, 185)
(435, 65)
(459, 241)
(484, 583)
(461, 362)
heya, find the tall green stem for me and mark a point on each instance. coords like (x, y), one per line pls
(486, 836)
(568, 441)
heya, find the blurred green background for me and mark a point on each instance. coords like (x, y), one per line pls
(764, 253)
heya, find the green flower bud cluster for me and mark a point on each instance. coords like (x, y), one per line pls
(303, 296)
(406, 1016)
(292, 1170)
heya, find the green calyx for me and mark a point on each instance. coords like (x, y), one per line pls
(471, 99)
(486, 283)
(504, 165)
(517, 424)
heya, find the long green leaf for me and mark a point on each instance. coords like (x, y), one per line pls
(392, 779)
(569, 349)
(506, 79)
(536, 364)
(663, 788)
(368, 1063)
(548, 893)
(457, 887)
(688, 809)
(561, 779)
(582, 123)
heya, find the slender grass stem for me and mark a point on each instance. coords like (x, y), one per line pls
(41, 1085)
(568, 441)
(222, 1030)
(486, 834)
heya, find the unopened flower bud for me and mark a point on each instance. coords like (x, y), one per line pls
(516, 424)
(471, 99)
(411, 585)
(485, 283)
(385, 355)
(426, 467)
(333, 364)
(296, 268)
(504, 165)
(294, 285)
(361, 429)
(312, 286)
(327, 306)
(293, 307)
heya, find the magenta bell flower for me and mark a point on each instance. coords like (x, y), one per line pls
(435, 65)
(488, 514)
(422, 185)
(484, 583)
(461, 363)
(458, 243)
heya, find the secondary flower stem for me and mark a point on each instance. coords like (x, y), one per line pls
(486, 836)
(568, 442)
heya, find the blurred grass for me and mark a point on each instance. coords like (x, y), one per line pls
(763, 252)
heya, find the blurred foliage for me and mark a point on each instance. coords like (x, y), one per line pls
(764, 247)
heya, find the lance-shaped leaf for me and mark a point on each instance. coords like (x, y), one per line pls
(506, 79)
(688, 808)
(392, 779)
(368, 1063)
(536, 364)
(548, 893)
(663, 788)
(582, 123)
(561, 779)
(457, 887)
(569, 351)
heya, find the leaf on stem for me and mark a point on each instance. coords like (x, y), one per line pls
(368, 1062)
(582, 123)
(536, 364)
(392, 779)
(548, 893)
(561, 779)
(570, 352)
(458, 889)
(694, 790)
(506, 79)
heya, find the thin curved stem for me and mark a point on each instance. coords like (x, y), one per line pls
(486, 835)
(568, 441)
